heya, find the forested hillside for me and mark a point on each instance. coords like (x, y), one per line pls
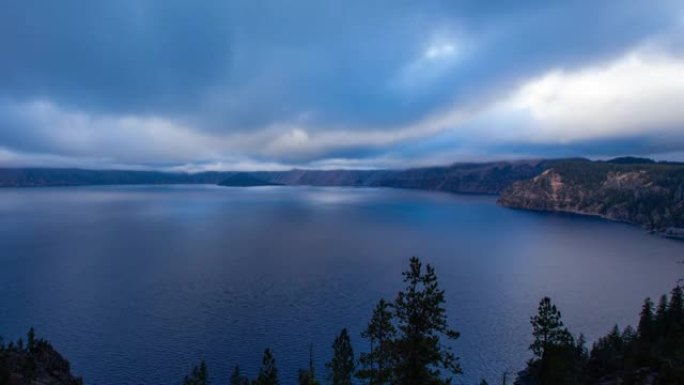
(631, 190)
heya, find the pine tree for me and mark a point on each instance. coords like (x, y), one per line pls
(581, 360)
(198, 376)
(308, 376)
(380, 332)
(547, 328)
(420, 353)
(237, 378)
(676, 307)
(674, 337)
(661, 314)
(342, 364)
(646, 320)
(268, 374)
(553, 347)
(31, 341)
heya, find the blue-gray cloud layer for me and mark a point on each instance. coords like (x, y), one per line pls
(267, 81)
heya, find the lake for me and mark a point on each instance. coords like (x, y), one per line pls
(135, 284)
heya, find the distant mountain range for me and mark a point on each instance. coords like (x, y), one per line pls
(475, 178)
(467, 178)
(42, 177)
(634, 190)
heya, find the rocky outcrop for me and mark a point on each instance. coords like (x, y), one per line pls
(647, 194)
(39, 364)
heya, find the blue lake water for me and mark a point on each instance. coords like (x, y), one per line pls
(135, 284)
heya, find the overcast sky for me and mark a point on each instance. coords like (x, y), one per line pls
(195, 85)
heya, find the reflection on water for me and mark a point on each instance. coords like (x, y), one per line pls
(135, 284)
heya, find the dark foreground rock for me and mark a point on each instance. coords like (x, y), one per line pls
(36, 364)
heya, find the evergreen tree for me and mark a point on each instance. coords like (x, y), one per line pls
(380, 332)
(646, 321)
(420, 353)
(581, 360)
(268, 374)
(676, 307)
(661, 314)
(198, 376)
(674, 334)
(342, 364)
(31, 338)
(548, 329)
(554, 347)
(308, 376)
(237, 378)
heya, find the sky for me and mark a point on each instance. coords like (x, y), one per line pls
(247, 85)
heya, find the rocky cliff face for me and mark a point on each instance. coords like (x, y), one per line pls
(650, 195)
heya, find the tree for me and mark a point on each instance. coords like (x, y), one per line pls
(380, 332)
(646, 320)
(268, 373)
(676, 307)
(308, 376)
(237, 378)
(661, 314)
(548, 329)
(420, 353)
(31, 341)
(674, 334)
(198, 376)
(553, 347)
(581, 359)
(342, 364)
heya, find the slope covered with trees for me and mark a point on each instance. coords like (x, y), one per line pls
(34, 361)
(632, 190)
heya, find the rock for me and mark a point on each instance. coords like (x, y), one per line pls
(648, 194)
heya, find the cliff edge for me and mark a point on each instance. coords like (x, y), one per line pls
(645, 193)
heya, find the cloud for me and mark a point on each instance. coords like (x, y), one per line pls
(152, 83)
(635, 95)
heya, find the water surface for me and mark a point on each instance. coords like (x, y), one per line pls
(135, 284)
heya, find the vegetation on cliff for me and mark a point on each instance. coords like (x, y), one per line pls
(632, 190)
(34, 362)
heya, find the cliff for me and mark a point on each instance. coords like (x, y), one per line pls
(628, 190)
(38, 363)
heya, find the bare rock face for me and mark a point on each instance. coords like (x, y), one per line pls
(650, 195)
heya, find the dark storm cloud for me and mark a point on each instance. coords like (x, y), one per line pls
(289, 72)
